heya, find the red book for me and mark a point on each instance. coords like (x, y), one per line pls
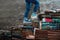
(48, 19)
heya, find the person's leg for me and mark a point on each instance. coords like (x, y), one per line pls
(36, 6)
(28, 5)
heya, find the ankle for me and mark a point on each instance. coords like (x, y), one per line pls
(34, 12)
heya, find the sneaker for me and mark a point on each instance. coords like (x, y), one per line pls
(29, 20)
(34, 16)
(26, 20)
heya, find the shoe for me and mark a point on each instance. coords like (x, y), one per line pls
(29, 20)
(26, 20)
(34, 16)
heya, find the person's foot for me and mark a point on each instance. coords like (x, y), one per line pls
(34, 16)
(26, 20)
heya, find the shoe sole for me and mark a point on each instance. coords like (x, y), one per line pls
(26, 22)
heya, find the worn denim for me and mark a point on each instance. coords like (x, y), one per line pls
(28, 6)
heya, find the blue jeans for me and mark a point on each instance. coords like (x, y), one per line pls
(28, 6)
